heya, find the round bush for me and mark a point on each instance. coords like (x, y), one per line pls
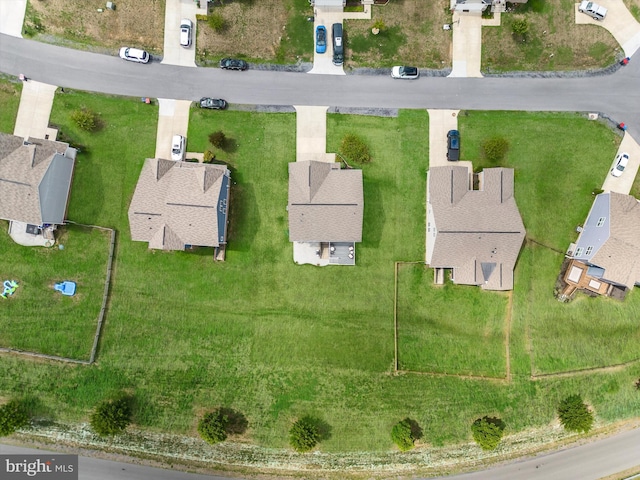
(13, 415)
(212, 427)
(402, 435)
(575, 415)
(520, 26)
(353, 148)
(487, 432)
(85, 119)
(216, 22)
(495, 148)
(303, 435)
(112, 416)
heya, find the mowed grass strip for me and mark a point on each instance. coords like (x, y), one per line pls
(36, 317)
(9, 100)
(453, 329)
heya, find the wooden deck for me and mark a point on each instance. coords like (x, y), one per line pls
(576, 278)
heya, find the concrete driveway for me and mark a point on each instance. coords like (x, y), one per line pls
(467, 44)
(36, 102)
(323, 62)
(624, 182)
(173, 119)
(12, 16)
(619, 21)
(440, 122)
(311, 134)
(174, 53)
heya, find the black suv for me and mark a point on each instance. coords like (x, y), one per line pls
(453, 145)
(338, 46)
(233, 64)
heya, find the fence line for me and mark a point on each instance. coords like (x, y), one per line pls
(103, 308)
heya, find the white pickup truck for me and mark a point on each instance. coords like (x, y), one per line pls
(592, 9)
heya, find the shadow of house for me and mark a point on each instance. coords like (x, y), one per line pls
(178, 205)
(477, 234)
(35, 183)
(605, 259)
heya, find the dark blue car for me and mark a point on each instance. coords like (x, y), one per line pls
(321, 39)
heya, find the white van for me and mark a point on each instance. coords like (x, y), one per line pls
(592, 9)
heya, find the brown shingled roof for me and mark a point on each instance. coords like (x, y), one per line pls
(22, 169)
(619, 256)
(326, 203)
(176, 204)
(477, 233)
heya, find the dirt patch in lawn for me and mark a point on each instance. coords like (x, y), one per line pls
(413, 35)
(252, 30)
(553, 41)
(138, 23)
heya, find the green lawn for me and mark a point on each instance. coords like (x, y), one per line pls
(9, 100)
(275, 340)
(452, 329)
(37, 318)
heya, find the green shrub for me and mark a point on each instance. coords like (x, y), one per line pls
(304, 435)
(379, 25)
(353, 148)
(216, 22)
(218, 139)
(13, 415)
(487, 432)
(212, 427)
(575, 415)
(495, 148)
(85, 119)
(112, 416)
(402, 435)
(520, 27)
(209, 156)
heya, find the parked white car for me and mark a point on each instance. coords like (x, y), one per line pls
(621, 161)
(134, 55)
(186, 29)
(592, 9)
(178, 147)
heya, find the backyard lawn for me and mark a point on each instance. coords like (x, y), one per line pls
(275, 340)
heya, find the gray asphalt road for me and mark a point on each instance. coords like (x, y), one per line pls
(616, 95)
(96, 469)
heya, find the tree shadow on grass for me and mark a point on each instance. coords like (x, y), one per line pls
(237, 423)
(323, 428)
(416, 430)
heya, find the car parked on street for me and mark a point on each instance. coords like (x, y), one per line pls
(134, 55)
(178, 147)
(233, 64)
(621, 161)
(321, 39)
(407, 73)
(186, 30)
(453, 145)
(338, 45)
(213, 103)
(592, 9)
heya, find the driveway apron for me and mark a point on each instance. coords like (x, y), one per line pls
(12, 16)
(311, 134)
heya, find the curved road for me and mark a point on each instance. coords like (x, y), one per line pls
(616, 95)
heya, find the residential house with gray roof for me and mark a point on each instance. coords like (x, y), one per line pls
(605, 258)
(35, 182)
(326, 206)
(477, 233)
(178, 204)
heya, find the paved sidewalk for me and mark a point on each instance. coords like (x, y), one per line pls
(12, 16)
(467, 44)
(624, 182)
(173, 119)
(440, 122)
(311, 134)
(35, 108)
(619, 21)
(174, 53)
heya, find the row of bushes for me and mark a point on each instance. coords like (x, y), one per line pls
(113, 416)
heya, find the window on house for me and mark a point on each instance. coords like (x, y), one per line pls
(601, 221)
(589, 250)
(579, 251)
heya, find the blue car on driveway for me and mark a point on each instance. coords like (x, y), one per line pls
(321, 39)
